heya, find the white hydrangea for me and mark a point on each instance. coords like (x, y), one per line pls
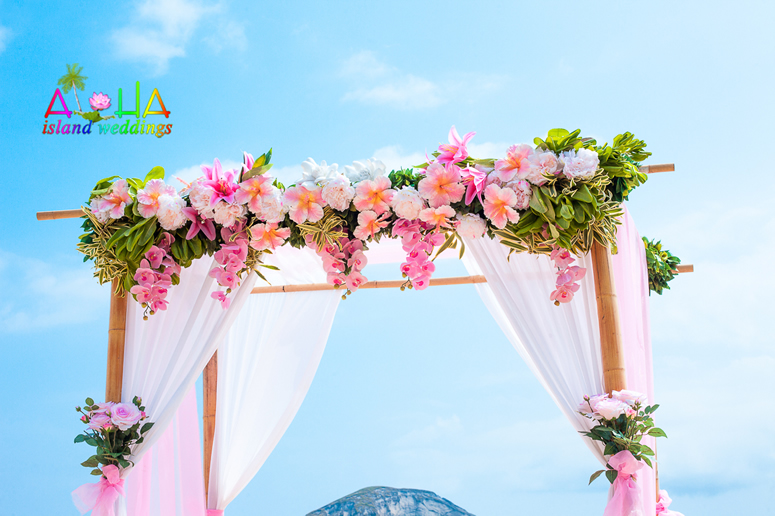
(362, 170)
(580, 165)
(470, 225)
(316, 175)
(407, 203)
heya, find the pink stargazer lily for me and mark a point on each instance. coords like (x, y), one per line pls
(476, 180)
(198, 224)
(455, 151)
(221, 182)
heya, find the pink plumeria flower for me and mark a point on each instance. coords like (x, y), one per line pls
(374, 195)
(148, 197)
(441, 185)
(369, 224)
(438, 217)
(268, 236)
(518, 162)
(253, 191)
(221, 182)
(499, 205)
(304, 204)
(455, 151)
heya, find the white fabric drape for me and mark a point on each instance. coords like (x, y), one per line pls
(164, 355)
(560, 344)
(265, 368)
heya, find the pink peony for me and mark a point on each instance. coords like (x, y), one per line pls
(170, 213)
(201, 197)
(272, 209)
(581, 164)
(441, 185)
(470, 226)
(407, 203)
(629, 397)
(499, 205)
(610, 408)
(338, 193)
(374, 195)
(523, 191)
(455, 151)
(304, 204)
(544, 164)
(99, 101)
(125, 415)
(228, 214)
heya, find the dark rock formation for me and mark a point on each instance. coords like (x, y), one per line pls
(387, 501)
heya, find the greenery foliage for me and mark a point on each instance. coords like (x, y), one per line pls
(662, 265)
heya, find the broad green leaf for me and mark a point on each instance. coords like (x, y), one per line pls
(155, 173)
(595, 475)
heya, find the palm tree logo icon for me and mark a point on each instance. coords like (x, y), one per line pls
(73, 80)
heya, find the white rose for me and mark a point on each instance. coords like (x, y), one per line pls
(227, 214)
(316, 175)
(471, 225)
(580, 165)
(361, 171)
(170, 213)
(338, 193)
(407, 203)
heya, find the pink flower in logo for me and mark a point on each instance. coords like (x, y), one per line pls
(99, 101)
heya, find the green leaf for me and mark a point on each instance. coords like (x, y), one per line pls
(155, 173)
(89, 401)
(91, 462)
(595, 475)
(146, 427)
(91, 441)
(79, 438)
(96, 472)
(583, 194)
(657, 432)
(611, 475)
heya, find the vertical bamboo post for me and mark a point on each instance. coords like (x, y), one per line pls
(210, 390)
(116, 335)
(611, 345)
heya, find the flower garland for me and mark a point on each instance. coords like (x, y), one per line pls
(622, 418)
(661, 264)
(555, 198)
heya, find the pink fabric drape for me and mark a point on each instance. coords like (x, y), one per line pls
(632, 290)
(169, 479)
(100, 497)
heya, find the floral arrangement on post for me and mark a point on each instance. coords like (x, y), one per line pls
(555, 198)
(113, 429)
(622, 418)
(661, 264)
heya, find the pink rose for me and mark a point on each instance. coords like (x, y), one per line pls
(99, 421)
(629, 397)
(610, 408)
(125, 415)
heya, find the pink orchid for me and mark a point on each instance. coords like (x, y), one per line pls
(170, 265)
(455, 151)
(411, 268)
(518, 161)
(499, 205)
(564, 293)
(354, 280)
(221, 296)
(402, 227)
(247, 162)
(234, 264)
(336, 278)
(198, 224)
(561, 257)
(222, 183)
(304, 204)
(438, 217)
(165, 242)
(352, 246)
(148, 197)
(374, 194)
(145, 277)
(252, 192)
(421, 282)
(155, 256)
(428, 268)
(357, 260)
(141, 292)
(332, 264)
(441, 185)
(476, 179)
(268, 236)
(158, 304)
(369, 224)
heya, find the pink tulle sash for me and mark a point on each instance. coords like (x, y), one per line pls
(100, 498)
(626, 500)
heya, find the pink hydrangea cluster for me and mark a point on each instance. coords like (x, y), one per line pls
(154, 276)
(231, 260)
(568, 276)
(418, 240)
(604, 406)
(342, 263)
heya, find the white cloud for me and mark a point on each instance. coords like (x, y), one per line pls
(377, 83)
(5, 37)
(161, 30)
(46, 294)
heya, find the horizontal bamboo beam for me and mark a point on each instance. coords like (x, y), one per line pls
(436, 282)
(311, 287)
(655, 169)
(61, 214)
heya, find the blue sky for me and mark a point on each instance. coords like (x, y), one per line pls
(439, 401)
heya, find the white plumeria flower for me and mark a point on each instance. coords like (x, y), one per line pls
(316, 175)
(363, 170)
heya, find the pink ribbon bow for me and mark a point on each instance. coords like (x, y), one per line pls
(100, 498)
(626, 500)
